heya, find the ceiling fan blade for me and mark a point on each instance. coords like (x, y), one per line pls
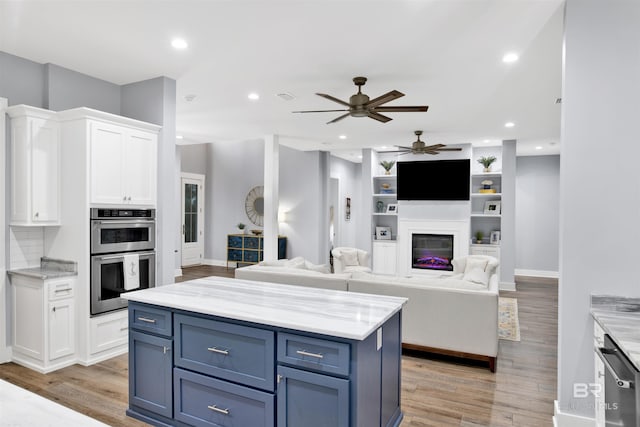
(383, 99)
(317, 111)
(329, 97)
(338, 118)
(401, 109)
(395, 151)
(449, 149)
(434, 146)
(378, 117)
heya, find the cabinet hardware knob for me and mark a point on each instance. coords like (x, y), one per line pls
(146, 320)
(54, 309)
(306, 353)
(124, 198)
(129, 198)
(165, 349)
(215, 408)
(37, 214)
(217, 350)
(279, 378)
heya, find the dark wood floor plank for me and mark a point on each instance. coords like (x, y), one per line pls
(436, 390)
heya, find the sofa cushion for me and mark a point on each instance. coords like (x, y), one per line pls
(357, 268)
(320, 268)
(297, 262)
(476, 275)
(422, 281)
(475, 264)
(460, 264)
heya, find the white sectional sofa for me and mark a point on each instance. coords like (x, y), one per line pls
(455, 315)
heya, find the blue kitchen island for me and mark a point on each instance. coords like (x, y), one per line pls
(228, 352)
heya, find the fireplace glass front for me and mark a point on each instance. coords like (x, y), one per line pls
(432, 251)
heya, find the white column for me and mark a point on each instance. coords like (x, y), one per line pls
(4, 352)
(271, 196)
(508, 220)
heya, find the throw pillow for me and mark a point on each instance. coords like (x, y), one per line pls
(477, 275)
(459, 264)
(475, 263)
(349, 258)
(297, 262)
(320, 268)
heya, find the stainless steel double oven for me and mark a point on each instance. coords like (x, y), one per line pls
(114, 234)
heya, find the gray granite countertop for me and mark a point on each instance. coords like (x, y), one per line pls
(619, 317)
(50, 268)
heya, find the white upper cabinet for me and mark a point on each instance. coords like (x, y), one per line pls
(123, 165)
(35, 166)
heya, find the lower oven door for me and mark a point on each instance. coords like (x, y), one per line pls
(107, 279)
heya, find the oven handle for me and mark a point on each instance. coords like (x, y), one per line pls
(123, 221)
(600, 351)
(105, 258)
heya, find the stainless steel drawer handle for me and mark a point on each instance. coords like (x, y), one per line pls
(306, 353)
(217, 350)
(146, 320)
(619, 381)
(62, 290)
(215, 408)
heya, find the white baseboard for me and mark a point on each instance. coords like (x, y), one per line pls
(5, 355)
(537, 273)
(563, 419)
(177, 272)
(507, 286)
(216, 262)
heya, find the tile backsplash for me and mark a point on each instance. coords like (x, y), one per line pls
(26, 246)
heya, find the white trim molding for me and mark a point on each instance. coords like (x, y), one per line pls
(537, 273)
(507, 286)
(562, 419)
(215, 262)
(177, 272)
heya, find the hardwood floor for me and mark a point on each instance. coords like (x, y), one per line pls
(436, 391)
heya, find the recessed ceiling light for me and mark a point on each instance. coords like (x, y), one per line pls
(384, 147)
(539, 147)
(509, 124)
(343, 137)
(360, 157)
(510, 57)
(179, 136)
(486, 141)
(179, 44)
(253, 96)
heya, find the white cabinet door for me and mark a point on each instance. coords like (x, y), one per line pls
(140, 168)
(45, 172)
(35, 166)
(384, 257)
(107, 166)
(61, 328)
(123, 165)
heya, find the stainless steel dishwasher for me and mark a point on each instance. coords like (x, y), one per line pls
(622, 400)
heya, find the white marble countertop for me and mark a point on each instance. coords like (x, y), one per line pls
(620, 319)
(336, 313)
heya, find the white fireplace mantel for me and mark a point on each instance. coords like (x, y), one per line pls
(458, 229)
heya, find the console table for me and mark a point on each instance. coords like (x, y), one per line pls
(249, 249)
(228, 352)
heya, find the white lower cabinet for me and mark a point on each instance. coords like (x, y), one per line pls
(43, 322)
(109, 334)
(384, 257)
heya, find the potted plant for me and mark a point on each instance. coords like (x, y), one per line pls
(479, 236)
(486, 161)
(387, 165)
(241, 227)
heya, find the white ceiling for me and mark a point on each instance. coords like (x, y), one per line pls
(445, 53)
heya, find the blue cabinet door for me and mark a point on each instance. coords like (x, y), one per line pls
(311, 400)
(150, 365)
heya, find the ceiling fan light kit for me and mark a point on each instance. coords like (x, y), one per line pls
(360, 105)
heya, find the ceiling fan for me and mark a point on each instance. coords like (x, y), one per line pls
(419, 147)
(360, 105)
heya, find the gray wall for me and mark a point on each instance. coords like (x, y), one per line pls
(194, 158)
(537, 213)
(600, 201)
(21, 80)
(65, 89)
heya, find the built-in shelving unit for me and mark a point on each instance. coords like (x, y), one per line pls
(486, 213)
(382, 198)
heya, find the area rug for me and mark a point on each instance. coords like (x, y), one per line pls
(508, 324)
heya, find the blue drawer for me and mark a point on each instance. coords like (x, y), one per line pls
(233, 352)
(314, 354)
(252, 242)
(234, 255)
(234, 242)
(205, 401)
(251, 256)
(150, 319)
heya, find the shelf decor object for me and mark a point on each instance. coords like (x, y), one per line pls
(486, 187)
(495, 237)
(492, 207)
(387, 165)
(486, 161)
(392, 208)
(383, 233)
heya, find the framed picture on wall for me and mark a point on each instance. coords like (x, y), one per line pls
(492, 207)
(347, 210)
(383, 233)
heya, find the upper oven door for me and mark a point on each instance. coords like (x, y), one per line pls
(122, 235)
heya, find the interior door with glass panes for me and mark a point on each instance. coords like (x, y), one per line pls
(192, 219)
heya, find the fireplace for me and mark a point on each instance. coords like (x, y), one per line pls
(432, 251)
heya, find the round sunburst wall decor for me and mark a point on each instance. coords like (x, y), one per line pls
(254, 205)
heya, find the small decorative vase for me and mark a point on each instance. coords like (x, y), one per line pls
(387, 172)
(487, 169)
(379, 206)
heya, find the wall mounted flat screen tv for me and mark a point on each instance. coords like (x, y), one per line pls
(434, 180)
